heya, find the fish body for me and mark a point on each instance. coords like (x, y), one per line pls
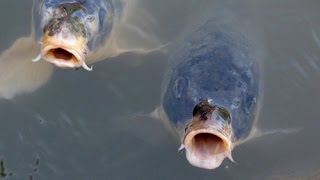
(211, 92)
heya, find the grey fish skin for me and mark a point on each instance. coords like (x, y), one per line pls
(74, 28)
(212, 87)
(94, 10)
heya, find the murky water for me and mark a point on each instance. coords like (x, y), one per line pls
(93, 125)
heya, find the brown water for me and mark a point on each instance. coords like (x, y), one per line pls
(92, 125)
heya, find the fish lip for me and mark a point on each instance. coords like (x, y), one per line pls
(207, 161)
(75, 61)
(208, 137)
(71, 49)
(187, 140)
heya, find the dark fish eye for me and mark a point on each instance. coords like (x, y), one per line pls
(179, 86)
(250, 102)
(224, 113)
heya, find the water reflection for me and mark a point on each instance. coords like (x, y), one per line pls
(86, 132)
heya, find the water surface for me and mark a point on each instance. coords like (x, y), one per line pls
(92, 125)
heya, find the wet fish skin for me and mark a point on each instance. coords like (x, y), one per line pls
(93, 19)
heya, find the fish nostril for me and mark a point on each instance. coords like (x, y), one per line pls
(60, 53)
(202, 109)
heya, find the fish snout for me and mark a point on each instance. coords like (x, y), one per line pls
(64, 52)
(208, 136)
(64, 39)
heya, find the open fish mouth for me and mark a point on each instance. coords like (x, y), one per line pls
(62, 56)
(207, 148)
(64, 53)
(208, 136)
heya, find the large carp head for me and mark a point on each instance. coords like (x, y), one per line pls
(69, 30)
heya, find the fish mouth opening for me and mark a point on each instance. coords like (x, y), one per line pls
(207, 148)
(206, 144)
(64, 52)
(61, 54)
(64, 57)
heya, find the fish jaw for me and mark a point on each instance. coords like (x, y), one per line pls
(207, 148)
(64, 52)
(208, 140)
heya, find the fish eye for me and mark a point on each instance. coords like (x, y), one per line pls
(179, 87)
(91, 24)
(250, 103)
(224, 113)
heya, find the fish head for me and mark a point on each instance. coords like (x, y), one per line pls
(208, 136)
(69, 30)
(198, 97)
(211, 71)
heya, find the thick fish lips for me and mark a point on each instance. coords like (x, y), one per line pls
(65, 53)
(207, 138)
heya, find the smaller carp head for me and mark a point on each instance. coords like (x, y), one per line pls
(207, 138)
(67, 29)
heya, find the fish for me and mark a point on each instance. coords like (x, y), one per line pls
(71, 34)
(70, 31)
(211, 92)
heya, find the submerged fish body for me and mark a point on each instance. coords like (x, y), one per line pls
(211, 93)
(70, 31)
